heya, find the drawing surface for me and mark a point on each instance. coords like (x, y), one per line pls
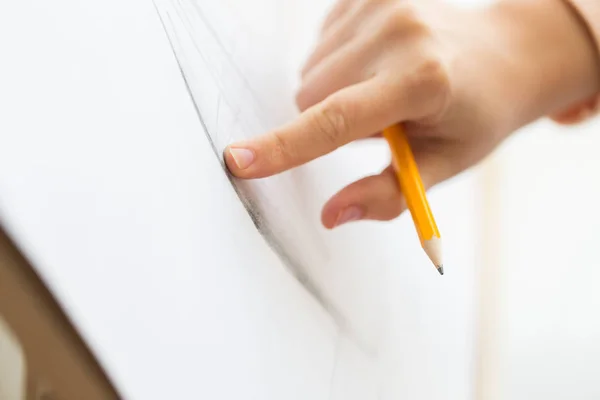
(187, 283)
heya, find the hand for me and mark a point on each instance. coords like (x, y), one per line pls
(459, 80)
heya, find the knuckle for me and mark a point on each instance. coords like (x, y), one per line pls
(433, 71)
(404, 20)
(332, 121)
(431, 80)
(438, 76)
(281, 149)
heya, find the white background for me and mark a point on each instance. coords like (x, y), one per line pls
(546, 221)
(108, 183)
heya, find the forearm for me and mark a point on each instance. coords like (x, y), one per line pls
(590, 11)
(554, 60)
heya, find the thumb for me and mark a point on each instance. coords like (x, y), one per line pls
(376, 197)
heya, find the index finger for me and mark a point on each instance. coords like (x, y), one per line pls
(352, 113)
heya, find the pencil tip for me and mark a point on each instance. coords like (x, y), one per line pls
(440, 269)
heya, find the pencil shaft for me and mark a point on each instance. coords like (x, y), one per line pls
(411, 184)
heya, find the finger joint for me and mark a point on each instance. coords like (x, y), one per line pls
(332, 122)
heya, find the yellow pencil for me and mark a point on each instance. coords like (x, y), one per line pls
(414, 192)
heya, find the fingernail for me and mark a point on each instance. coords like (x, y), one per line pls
(352, 213)
(242, 157)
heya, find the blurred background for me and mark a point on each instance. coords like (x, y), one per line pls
(539, 284)
(537, 270)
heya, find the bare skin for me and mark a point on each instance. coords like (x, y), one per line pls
(460, 80)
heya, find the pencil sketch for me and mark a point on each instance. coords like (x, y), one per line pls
(229, 109)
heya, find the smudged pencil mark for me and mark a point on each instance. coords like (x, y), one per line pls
(217, 119)
(225, 51)
(184, 17)
(292, 265)
(336, 355)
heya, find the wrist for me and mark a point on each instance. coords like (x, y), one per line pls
(550, 60)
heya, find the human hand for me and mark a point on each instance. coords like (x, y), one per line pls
(459, 80)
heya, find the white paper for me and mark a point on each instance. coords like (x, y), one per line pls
(112, 183)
